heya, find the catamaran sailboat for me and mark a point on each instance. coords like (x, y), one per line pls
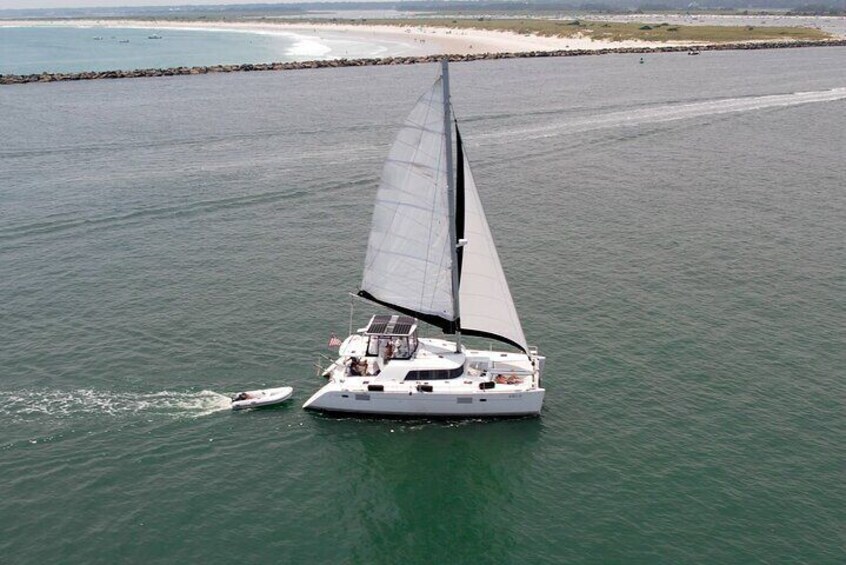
(431, 258)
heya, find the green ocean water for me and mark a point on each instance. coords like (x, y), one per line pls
(68, 49)
(674, 234)
(51, 48)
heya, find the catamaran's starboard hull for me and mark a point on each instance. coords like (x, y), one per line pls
(472, 405)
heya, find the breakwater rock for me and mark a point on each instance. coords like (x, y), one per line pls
(334, 63)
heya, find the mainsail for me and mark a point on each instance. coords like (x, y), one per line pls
(411, 253)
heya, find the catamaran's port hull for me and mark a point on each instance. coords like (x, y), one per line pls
(471, 405)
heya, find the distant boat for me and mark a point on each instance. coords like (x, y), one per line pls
(431, 257)
(693, 52)
(124, 41)
(154, 36)
(98, 38)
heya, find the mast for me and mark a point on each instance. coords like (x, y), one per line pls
(450, 167)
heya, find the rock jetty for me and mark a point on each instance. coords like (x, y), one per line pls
(334, 63)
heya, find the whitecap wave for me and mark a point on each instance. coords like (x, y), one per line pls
(307, 46)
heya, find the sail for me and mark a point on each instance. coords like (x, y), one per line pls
(487, 308)
(409, 254)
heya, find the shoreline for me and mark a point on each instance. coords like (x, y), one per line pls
(428, 40)
(413, 45)
(386, 61)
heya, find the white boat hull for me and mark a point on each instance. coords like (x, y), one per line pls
(486, 383)
(266, 397)
(488, 403)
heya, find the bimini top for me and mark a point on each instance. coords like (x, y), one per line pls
(391, 325)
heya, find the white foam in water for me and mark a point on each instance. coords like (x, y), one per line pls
(666, 113)
(34, 404)
(306, 46)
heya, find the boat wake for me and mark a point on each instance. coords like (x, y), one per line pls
(649, 115)
(36, 404)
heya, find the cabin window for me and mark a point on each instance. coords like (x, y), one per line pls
(434, 374)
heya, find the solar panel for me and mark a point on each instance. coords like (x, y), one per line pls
(400, 325)
(378, 325)
(377, 328)
(391, 325)
(401, 329)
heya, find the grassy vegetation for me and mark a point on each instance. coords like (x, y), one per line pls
(611, 31)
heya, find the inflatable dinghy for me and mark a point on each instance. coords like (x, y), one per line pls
(258, 398)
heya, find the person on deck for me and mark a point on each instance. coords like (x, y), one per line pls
(400, 349)
(354, 367)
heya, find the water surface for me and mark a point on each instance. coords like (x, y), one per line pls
(673, 233)
(37, 49)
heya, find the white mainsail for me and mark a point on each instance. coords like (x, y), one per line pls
(409, 256)
(410, 253)
(487, 307)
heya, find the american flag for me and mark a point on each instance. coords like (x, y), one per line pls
(334, 341)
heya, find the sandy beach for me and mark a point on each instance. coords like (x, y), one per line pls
(416, 40)
(299, 45)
